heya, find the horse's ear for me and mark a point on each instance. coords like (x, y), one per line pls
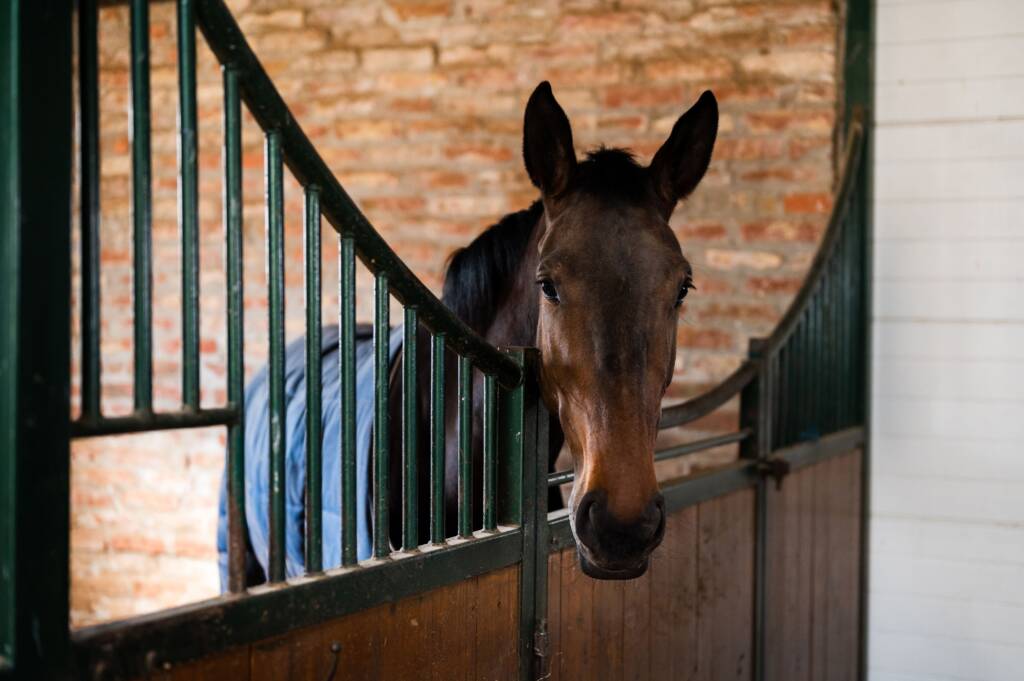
(547, 143)
(682, 160)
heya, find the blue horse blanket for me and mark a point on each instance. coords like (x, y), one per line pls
(257, 458)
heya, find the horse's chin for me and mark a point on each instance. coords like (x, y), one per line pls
(595, 571)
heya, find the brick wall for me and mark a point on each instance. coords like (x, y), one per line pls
(417, 106)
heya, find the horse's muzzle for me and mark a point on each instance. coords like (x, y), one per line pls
(610, 549)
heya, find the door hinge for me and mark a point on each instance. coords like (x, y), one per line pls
(774, 468)
(541, 659)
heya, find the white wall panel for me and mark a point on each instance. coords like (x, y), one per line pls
(959, 58)
(907, 539)
(977, 381)
(947, 516)
(939, 259)
(954, 341)
(952, 221)
(931, 101)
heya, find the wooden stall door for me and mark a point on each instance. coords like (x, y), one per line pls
(812, 604)
(690, 617)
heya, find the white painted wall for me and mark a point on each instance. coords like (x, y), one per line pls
(947, 525)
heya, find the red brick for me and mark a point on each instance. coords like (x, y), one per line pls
(706, 231)
(807, 203)
(780, 230)
(774, 285)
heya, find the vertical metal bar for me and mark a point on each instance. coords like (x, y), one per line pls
(188, 203)
(314, 434)
(799, 392)
(347, 373)
(235, 322)
(465, 447)
(817, 343)
(490, 452)
(527, 442)
(36, 155)
(410, 433)
(10, 334)
(275, 272)
(142, 237)
(89, 115)
(833, 343)
(848, 321)
(437, 438)
(756, 411)
(381, 366)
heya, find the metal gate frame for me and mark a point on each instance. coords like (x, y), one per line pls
(36, 150)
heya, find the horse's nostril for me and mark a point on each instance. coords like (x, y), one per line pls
(587, 518)
(658, 517)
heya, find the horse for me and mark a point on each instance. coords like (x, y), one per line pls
(593, 276)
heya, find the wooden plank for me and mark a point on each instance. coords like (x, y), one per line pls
(636, 624)
(660, 575)
(403, 647)
(497, 628)
(449, 627)
(683, 552)
(606, 632)
(726, 575)
(269, 659)
(555, 615)
(835, 603)
(359, 638)
(788, 578)
(577, 648)
(842, 567)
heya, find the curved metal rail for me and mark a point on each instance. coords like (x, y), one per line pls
(227, 42)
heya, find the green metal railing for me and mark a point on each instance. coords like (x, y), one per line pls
(818, 349)
(285, 144)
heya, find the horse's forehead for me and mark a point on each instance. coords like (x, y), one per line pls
(609, 239)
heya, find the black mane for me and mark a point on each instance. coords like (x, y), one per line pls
(479, 274)
(611, 173)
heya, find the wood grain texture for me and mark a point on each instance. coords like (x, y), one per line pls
(725, 603)
(468, 631)
(812, 573)
(658, 616)
(689, 618)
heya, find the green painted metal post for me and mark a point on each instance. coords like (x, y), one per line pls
(410, 432)
(437, 438)
(490, 493)
(234, 238)
(142, 237)
(756, 413)
(347, 374)
(314, 416)
(89, 117)
(465, 379)
(525, 440)
(188, 203)
(36, 153)
(381, 433)
(275, 305)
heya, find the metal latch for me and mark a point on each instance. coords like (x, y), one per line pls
(776, 469)
(541, 651)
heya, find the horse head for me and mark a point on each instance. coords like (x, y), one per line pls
(610, 279)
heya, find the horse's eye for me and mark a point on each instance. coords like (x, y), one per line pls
(682, 294)
(549, 291)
